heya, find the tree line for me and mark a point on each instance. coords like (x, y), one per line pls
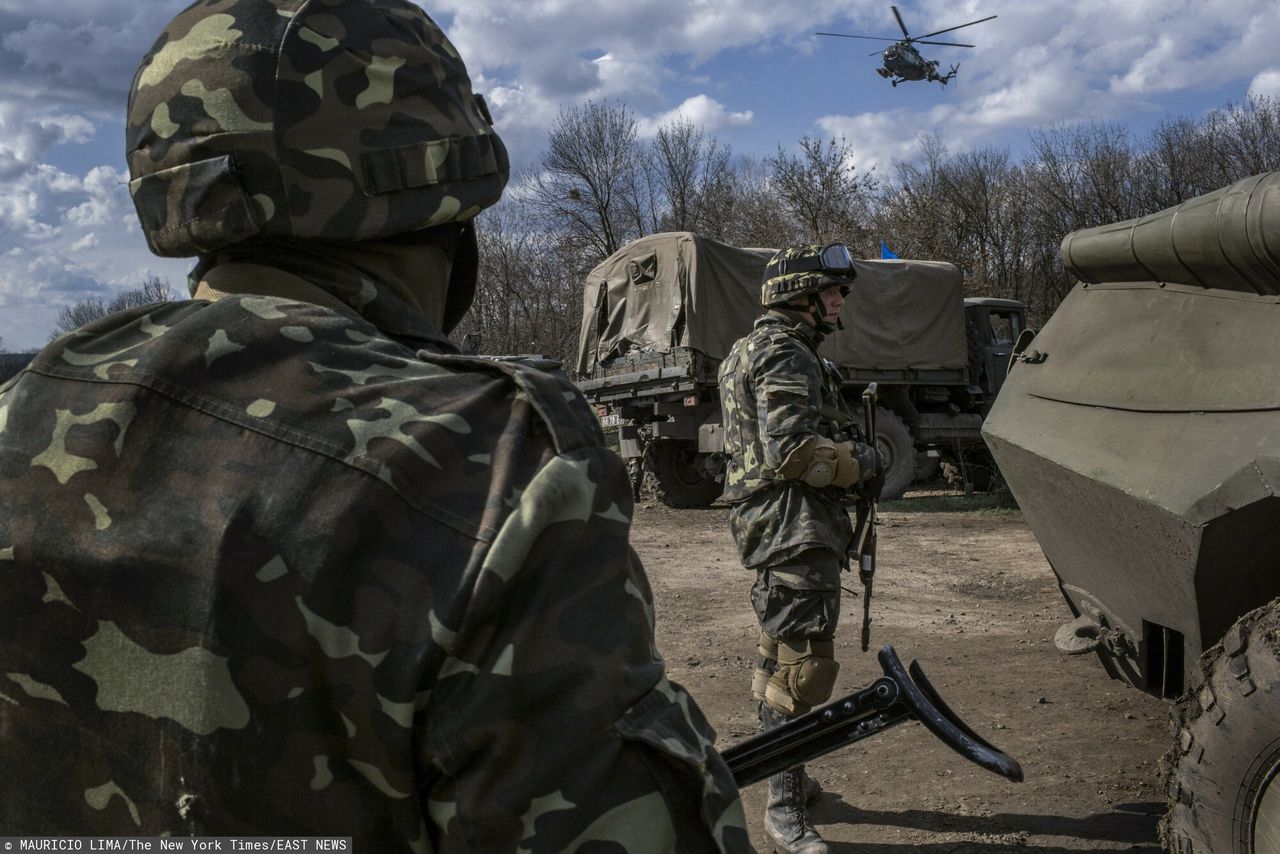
(1001, 219)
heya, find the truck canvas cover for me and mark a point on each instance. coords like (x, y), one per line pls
(678, 289)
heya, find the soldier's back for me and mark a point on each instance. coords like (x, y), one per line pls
(267, 571)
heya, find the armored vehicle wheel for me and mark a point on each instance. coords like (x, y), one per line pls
(1223, 771)
(677, 475)
(897, 451)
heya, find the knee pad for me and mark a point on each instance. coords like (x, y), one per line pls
(805, 678)
(766, 665)
(821, 462)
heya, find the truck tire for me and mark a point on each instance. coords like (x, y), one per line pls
(897, 453)
(677, 475)
(1222, 774)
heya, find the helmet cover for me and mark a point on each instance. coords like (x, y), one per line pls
(310, 119)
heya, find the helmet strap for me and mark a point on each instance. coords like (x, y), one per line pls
(819, 315)
(462, 276)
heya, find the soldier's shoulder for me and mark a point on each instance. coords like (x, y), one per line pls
(776, 341)
(557, 402)
(441, 429)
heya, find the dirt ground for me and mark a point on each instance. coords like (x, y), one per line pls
(968, 593)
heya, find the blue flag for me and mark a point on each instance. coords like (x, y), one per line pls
(885, 251)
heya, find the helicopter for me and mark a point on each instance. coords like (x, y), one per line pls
(901, 59)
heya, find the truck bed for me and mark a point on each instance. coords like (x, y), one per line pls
(649, 374)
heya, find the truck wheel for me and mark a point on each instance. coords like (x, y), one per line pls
(677, 474)
(897, 452)
(1223, 772)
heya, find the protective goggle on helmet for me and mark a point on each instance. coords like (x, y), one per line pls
(834, 258)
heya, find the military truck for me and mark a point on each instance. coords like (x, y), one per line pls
(1139, 431)
(660, 314)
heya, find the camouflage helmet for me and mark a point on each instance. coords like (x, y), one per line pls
(805, 269)
(330, 119)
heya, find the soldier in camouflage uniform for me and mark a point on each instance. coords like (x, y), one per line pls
(793, 457)
(277, 560)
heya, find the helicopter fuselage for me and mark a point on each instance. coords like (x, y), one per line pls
(903, 62)
(901, 59)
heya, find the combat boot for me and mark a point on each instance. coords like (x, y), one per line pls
(786, 820)
(811, 788)
(769, 719)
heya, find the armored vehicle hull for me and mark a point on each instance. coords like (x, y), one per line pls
(1140, 433)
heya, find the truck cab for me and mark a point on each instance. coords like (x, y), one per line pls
(993, 326)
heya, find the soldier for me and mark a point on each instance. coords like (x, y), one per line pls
(793, 457)
(277, 560)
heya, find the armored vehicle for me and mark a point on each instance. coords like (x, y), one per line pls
(1140, 433)
(661, 313)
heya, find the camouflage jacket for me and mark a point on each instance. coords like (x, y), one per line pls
(268, 572)
(776, 392)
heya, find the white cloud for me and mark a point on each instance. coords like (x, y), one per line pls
(63, 238)
(108, 195)
(27, 135)
(1266, 84)
(535, 57)
(705, 112)
(875, 139)
(89, 241)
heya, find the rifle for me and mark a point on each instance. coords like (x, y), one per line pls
(864, 533)
(900, 695)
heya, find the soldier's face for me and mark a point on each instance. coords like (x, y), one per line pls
(832, 301)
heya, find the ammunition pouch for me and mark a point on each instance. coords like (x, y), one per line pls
(820, 462)
(806, 675)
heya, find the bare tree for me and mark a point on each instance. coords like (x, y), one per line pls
(911, 213)
(529, 290)
(590, 178)
(690, 171)
(821, 189)
(743, 209)
(154, 289)
(1172, 166)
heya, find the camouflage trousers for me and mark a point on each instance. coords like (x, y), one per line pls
(796, 600)
(799, 599)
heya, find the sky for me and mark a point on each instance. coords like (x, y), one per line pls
(751, 72)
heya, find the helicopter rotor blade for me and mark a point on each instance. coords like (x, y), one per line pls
(901, 25)
(961, 26)
(847, 36)
(946, 44)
